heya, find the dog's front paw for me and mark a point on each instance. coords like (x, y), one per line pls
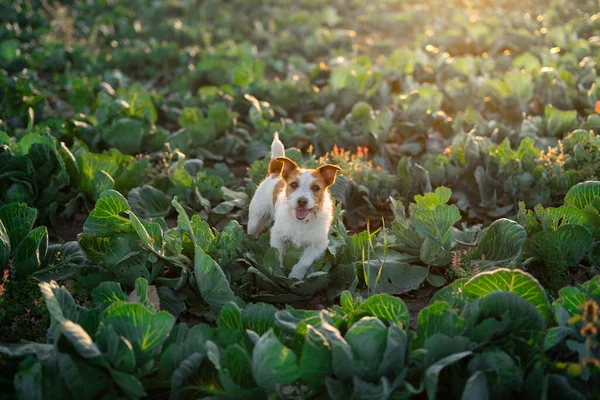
(297, 273)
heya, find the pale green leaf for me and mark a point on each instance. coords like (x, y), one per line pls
(516, 281)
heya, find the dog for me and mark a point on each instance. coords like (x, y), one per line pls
(299, 202)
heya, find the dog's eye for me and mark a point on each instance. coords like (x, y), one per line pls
(294, 185)
(315, 188)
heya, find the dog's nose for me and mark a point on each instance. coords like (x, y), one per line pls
(302, 202)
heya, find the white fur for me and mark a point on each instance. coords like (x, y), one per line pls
(305, 181)
(261, 207)
(310, 233)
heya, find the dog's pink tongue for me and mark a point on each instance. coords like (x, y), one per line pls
(301, 213)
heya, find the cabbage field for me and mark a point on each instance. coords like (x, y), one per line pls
(464, 256)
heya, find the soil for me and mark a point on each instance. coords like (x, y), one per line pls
(66, 230)
(415, 301)
(240, 171)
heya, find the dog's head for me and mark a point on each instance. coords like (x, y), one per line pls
(305, 189)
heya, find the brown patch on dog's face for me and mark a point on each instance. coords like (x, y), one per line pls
(292, 182)
(290, 172)
(324, 177)
(318, 187)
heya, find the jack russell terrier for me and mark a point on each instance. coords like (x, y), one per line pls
(298, 200)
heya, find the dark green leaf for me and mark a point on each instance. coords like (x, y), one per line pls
(28, 381)
(396, 351)
(476, 387)
(148, 331)
(572, 299)
(128, 383)
(94, 248)
(149, 202)
(212, 283)
(108, 292)
(273, 363)
(433, 372)
(18, 221)
(437, 318)
(170, 301)
(452, 294)
(184, 372)
(501, 242)
(315, 359)
(566, 246)
(342, 359)
(259, 317)
(517, 313)
(585, 197)
(367, 338)
(30, 253)
(126, 135)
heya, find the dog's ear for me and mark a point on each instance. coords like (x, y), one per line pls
(275, 167)
(328, 172)
(288, 166)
